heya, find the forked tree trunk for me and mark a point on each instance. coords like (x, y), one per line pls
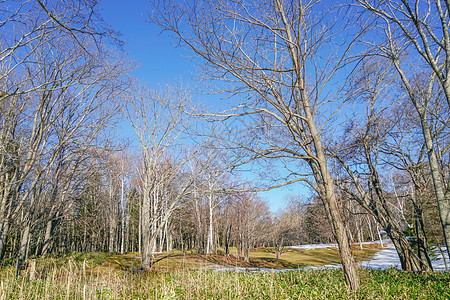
(422, 244)
(408, 258)
(279, 251)
(442, 195)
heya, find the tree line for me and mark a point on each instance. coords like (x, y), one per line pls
(351, 100)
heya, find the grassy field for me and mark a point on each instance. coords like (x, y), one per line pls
(183, 276)
(259, 258)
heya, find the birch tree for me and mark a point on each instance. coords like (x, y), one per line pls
(168, 171)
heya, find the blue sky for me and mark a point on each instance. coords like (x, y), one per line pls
(160, 62)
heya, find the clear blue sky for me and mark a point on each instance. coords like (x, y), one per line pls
(160, 62)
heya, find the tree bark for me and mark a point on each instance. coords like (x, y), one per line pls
(146, 231)
(340, 232)
(227, 237)
(422, 244)
(4, 230)
(210, 242)
(48, 237)
(408, 258)
(328, 196)
(24, 241)
(199, 229)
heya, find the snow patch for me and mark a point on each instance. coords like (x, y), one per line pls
(388, 257)
(383, 259)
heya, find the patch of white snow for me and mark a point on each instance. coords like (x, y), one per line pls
(385, 258)
(388, 257)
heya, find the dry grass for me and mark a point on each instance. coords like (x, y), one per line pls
(259, 258)
(106, 281)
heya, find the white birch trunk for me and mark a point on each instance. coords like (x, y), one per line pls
(210, 242)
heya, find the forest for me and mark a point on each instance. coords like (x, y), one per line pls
(349, 99)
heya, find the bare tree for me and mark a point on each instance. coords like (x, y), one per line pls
(213, 180)
(57, 81)
(407, 152)
(168, 171)
(268, 54)
(422, 27)
(362, 153)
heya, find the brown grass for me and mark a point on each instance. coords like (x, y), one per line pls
(259, 258)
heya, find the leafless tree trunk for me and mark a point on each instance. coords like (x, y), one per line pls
(424, 27)
(168, 172)
(370, 140)
(48, 102)
(268, 54)
(199, 224)
(210, 242)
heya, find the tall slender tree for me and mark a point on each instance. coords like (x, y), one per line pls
(270, 56)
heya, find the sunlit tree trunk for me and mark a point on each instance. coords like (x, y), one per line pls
(424, 25)
(210, 242)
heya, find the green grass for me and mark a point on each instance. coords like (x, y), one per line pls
(180, 276)
(71, 282)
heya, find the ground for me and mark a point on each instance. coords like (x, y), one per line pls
(192, 276)
(259, 258)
